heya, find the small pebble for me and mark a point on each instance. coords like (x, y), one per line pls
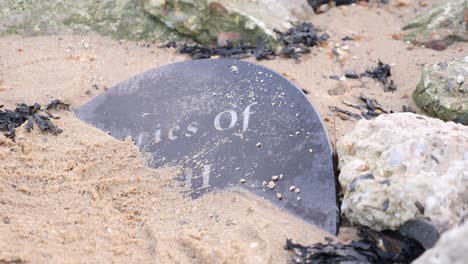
(275, 178)
(351, 74)
(334, 77)
(460, 79)
(259, 145)
(234, 68)
(292, 188)
(297, 190)
(279, 195)
(243, 180)
(281, 176)
(271, 185)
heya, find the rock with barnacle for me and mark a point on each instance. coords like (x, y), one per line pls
(443, 90)
(440, 26)
(223, 21)
(400, 167)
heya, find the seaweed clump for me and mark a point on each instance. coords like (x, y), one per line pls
(294, 42)
(33, 115)
(374, 247)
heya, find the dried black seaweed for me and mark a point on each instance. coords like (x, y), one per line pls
(346, 112)
(295, 42)
(229, 51)
(57, 104)
(374, 247)
(33, 115)
(381, 73)
(369, 107)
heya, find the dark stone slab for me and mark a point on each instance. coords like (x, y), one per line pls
(228, 123)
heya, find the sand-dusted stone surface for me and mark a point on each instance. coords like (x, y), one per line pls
(401, 166)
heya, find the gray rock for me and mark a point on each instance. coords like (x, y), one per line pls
(452, 248)
(443, 91)
(418, 167)
(122, 19)
(422, 231)
(441, 25)
(220, 21)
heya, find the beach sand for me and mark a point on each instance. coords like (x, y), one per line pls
(83, 196)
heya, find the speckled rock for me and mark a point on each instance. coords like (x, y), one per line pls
(122, 19)
(452, 248)
(210, 21)
(446, 21)
(400, 167)
(443, 91)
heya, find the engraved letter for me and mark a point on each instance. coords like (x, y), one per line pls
(157, 135)
(191, 128)
(206, 175)
(217, 120)
(140, 138)
(171, 135)
(246, 115)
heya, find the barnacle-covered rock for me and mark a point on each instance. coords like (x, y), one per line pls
(122, 19)
(441, 25)
(210, 22)
(443, 91)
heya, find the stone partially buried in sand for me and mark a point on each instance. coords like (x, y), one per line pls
(211, 22)
(440, 26)
(401, 167)
(443, 91)
(227, 123)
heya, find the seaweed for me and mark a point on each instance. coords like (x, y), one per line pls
(229, 51)
(381, 73)
(373, 247)
(369, 108)
(57, 104)
(33, 115)
(346, 112)
(294, 42)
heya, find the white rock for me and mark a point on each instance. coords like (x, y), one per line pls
(390, 163)
(451, 248)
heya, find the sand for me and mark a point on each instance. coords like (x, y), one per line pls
(83, 196)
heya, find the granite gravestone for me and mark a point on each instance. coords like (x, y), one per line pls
(227, 123)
